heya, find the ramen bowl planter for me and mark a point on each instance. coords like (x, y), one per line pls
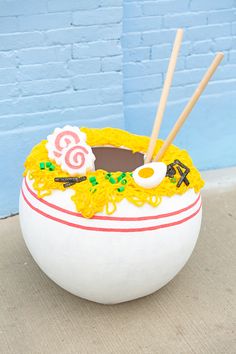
(109, 259)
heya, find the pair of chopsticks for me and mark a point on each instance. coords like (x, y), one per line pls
(163, 100)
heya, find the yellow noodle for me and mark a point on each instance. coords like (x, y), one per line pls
(90, 200)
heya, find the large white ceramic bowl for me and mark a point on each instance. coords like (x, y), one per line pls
(110, 259)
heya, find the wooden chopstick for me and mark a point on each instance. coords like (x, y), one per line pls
(193, 100)
(164, 95)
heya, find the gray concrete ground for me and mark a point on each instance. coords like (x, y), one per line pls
(195, 313)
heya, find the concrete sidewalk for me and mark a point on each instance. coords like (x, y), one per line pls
(195, 313)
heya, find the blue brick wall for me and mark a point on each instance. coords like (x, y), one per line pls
(149, 29)
(60, 63)
(102, 63)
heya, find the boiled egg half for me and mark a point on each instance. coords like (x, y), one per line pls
(150, 175)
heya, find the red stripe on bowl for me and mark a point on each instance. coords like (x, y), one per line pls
(110, 229)
(100, 217)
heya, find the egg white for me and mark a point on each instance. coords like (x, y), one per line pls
(159, 172)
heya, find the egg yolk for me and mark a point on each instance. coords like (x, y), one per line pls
(146, 172)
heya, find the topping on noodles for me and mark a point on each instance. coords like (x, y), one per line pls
(103, 189)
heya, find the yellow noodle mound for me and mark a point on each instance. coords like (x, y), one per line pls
(90, 200)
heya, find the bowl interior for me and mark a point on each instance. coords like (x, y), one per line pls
(114, 159)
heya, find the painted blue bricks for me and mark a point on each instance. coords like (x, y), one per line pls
(102, 63)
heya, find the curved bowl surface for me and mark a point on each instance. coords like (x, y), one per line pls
(110, 259)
